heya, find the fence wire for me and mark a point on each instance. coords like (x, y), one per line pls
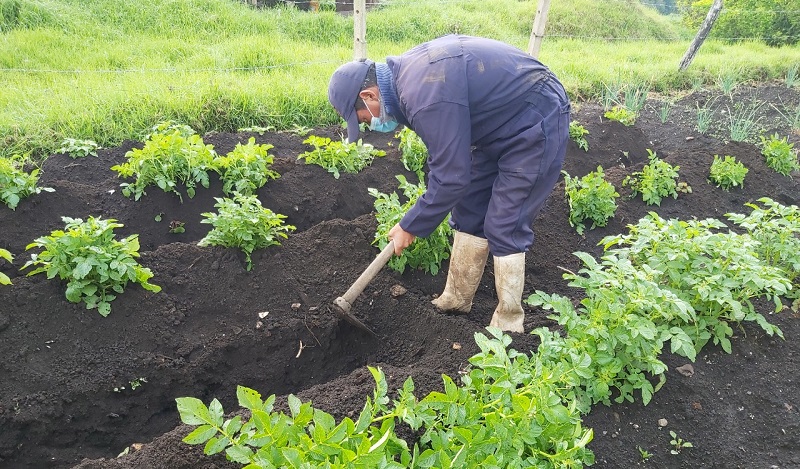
(376, 3)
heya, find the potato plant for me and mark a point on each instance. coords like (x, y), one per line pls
(668, 282)
(682, 283)
(776, 227)
(658, 179)
(413, 152)
(727, 172)
(590, 198)
(622, 115)
(169, 127)
(242, 222)
(78, 148)
(427, 253)
(718, 274)
(578, 134)
(246, 168)
(95, 264)
(5, 254)
(337, 157)
(779, 154)
(167, 161)
(505, 413)
(15, 183)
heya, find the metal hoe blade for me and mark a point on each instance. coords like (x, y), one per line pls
(352, 320)
(344, 303)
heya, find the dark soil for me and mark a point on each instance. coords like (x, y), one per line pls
(66, 398)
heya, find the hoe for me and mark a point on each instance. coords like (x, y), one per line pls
(344, 303)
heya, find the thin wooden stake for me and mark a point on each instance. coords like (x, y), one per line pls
(360, 29)
(711, 17)
(537, 33)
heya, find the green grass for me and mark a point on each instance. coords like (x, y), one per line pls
(108, 71)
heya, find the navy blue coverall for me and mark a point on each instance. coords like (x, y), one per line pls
(496, 123)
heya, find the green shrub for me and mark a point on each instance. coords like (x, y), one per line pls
(727, 172)
(167, 161)
(5, 254)
(506, 413)
(578, 133)
(169, 127)
(621, 114)
(774, 21)
(246, 168)
(427, 253)
(95, 265)
(777, 230)
(241, 222)
(413, 151)
(339, 156)
(590, 198)
(15, 183)
(717, 272)
(779, 154)
(77, 148)
(658, 179)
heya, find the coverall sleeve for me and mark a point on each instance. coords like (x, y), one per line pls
(445, 129)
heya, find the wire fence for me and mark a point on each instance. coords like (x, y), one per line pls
(338, 4)
(349, 4)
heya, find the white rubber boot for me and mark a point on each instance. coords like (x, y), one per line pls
(509, 279)
(467, 261)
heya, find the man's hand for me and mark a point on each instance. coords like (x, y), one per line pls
(402, 239)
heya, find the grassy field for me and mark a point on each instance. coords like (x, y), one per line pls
(108, 71)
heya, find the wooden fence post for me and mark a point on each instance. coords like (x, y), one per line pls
(712, 15)
(537, 33)
(360, 29)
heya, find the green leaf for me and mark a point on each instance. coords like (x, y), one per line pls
(215, 445)
(73, 292)
(82, 269)
(11, 200)
(324, 420)
(248, 398)
(240, 454)
(294, 405)
(232, 426)
(200, 435)
(104, 308)
(292, 456)
(557, 415)
(215, 413)
(379, 444)
(365, 418)
(192, 411)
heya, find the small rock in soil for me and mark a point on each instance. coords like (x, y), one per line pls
(686, 370)
(398, 290)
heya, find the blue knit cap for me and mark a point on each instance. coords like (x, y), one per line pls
(388, 92)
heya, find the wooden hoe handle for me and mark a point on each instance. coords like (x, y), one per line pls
(346, 301)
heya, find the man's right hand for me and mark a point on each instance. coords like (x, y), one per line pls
(402, 239)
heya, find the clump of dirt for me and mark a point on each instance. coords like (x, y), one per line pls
(78, 389)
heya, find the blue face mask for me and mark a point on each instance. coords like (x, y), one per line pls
(383, 123)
